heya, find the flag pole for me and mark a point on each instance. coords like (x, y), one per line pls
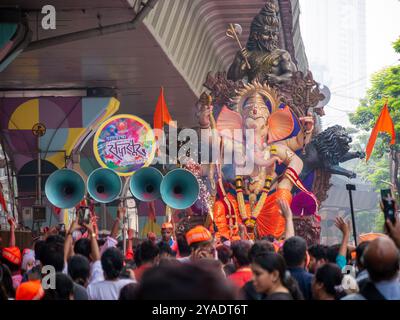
(162, 117)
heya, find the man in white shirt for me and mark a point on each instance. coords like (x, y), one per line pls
(112, 262)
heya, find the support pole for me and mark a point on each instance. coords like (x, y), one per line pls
(350, 188)
(103, 216)
(39, 178)
(123, 203)
(124, 230)
(10, 179)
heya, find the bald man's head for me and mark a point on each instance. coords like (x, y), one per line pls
(381, 259)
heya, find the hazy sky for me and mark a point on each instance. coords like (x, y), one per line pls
(382, 29)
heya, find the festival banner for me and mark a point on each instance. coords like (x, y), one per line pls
(124, 143)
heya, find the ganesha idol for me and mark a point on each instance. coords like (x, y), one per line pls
(251, 199)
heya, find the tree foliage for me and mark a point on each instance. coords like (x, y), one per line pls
(385, 86)
(396, 45)
(367, 221)
(376, 171)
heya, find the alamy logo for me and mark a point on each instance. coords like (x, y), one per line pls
(349, 275)
(49, 20)
(49, 277)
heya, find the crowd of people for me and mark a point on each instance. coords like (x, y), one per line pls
(197, 266)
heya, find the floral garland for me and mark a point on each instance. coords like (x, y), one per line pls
(251, 222)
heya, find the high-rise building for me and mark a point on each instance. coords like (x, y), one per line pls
(334, 34)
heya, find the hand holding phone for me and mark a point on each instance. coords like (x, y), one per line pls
(83, 216)
(394, 230)
(388, 205)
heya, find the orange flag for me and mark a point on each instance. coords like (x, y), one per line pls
(384, 124)
(161, 115)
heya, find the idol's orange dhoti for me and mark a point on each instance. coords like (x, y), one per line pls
(269, 222)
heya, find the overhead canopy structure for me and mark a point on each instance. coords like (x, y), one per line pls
(15, 35)
(175, 46)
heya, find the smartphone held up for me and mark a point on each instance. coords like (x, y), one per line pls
(83, 216)
(388, 205)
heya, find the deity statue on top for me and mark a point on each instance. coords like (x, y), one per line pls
(262, 59)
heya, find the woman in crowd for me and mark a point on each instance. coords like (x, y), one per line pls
(327, 283)
(271, 278)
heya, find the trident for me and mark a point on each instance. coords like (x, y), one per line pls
(233, 31)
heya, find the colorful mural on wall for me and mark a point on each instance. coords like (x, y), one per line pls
(68, 122)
